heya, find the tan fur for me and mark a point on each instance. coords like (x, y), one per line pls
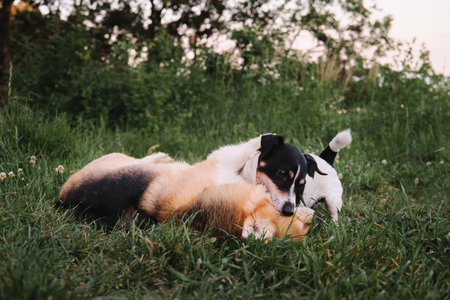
(244, 209)
(176, 186)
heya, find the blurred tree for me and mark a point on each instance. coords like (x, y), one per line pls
(5, 54)
(59, 42)
(341, 27)
(141, 21)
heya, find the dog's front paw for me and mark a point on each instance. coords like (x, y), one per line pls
(305, 214)
(248, 227)
(264, 230)
(260, 228)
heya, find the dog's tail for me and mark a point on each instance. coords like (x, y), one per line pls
(341, 140)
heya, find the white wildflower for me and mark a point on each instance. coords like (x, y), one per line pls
(384, 162)
(402, 106)
(60, 169)
(428, 163)
(2, 176)
(416, 181)
(33, 160)
(11, 174)
(19, 171)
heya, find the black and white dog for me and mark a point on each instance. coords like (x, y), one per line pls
(289, 175)
(283, 175)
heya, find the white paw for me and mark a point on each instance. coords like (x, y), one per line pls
(305, 214)
(158, 158)
(260, 228)
(247, 231)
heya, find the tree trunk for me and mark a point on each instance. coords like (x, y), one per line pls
(5, 54)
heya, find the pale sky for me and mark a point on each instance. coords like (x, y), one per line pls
(426, 20)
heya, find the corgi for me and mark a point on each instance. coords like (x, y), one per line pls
(304, 191)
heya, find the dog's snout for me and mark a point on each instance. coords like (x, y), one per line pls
(288, 209)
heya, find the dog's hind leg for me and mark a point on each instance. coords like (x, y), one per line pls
(106, 197)
(156, 158)
(334, 205)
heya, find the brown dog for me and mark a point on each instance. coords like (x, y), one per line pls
(115, 185)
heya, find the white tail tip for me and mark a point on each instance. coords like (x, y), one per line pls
(341, 140)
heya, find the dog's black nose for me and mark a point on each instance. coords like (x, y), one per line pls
(288, 209)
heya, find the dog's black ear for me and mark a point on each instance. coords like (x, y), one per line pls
(312, 166)
(268, 142)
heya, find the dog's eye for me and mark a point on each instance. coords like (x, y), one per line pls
(283, 174)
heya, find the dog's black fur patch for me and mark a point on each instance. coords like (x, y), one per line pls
(107, 197)
(282, 159)
(279, 160)
(328, 155)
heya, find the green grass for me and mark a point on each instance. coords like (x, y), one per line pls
(393, 238)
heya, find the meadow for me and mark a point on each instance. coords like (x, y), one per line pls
(393, 236)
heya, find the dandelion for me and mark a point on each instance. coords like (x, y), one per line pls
(2, 176)
(11, 174)
(416, 181)
(60, 169)
(33, 160)
(384, 162)
(19, 171)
